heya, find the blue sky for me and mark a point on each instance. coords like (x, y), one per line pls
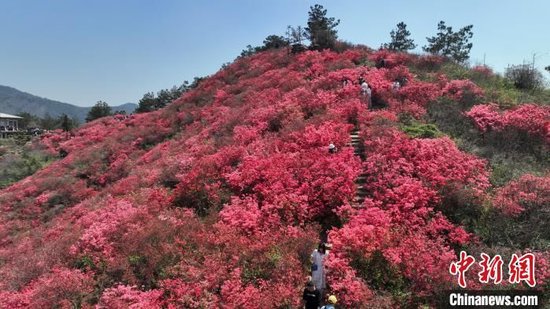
(83, 51)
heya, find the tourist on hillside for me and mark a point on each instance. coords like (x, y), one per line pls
(318, 267)
(364, 88)
(332, 148)
(396, 85)
(345, 82)
(331, 301)
(366, 92)
(312, 296)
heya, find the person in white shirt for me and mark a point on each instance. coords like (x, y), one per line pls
(318, 275)
(366, 91)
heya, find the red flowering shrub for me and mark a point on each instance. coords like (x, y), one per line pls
(463, 91)
(391, 59)
(530, 118)
(429, 62)
(483, 70)
(62, 288)
(99, 227)
(527, 193)
(486, 117)
(129, 297)
(218, 199)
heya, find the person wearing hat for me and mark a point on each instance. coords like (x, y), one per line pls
(312, 296)
(331, 302)
(331, 148)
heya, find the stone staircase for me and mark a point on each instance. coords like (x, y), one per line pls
(359, 150)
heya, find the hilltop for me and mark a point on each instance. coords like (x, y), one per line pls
(13, 101)
(218, 199)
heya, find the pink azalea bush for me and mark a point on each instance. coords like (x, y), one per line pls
(218, 199)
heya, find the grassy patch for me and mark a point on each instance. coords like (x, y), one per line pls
(18, 160)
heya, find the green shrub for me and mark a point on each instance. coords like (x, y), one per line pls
(422, 130)
(17, 165)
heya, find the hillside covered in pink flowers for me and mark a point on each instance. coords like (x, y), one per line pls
(218, 200)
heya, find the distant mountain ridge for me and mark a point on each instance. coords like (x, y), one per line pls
(13, 101)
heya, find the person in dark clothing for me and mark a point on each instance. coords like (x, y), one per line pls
(312, 296)
(345, 82)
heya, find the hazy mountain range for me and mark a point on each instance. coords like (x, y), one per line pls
(13, 101)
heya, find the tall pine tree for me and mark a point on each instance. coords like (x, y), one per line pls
(451, 44)
(100, 109)
(400, 40)
(320, 29)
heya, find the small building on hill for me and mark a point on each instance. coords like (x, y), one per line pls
(8, 124)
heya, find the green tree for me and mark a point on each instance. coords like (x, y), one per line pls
(147, 103)
(250, 50)
(48, 122)
(400, 40)
(525, 77)
(296, 35)
(28, 121)
(271, 42)
(547, 68)
(451, 44)
(100, 109)
(66, 123)
(274, 42)
(150, 102)
(320, 29)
